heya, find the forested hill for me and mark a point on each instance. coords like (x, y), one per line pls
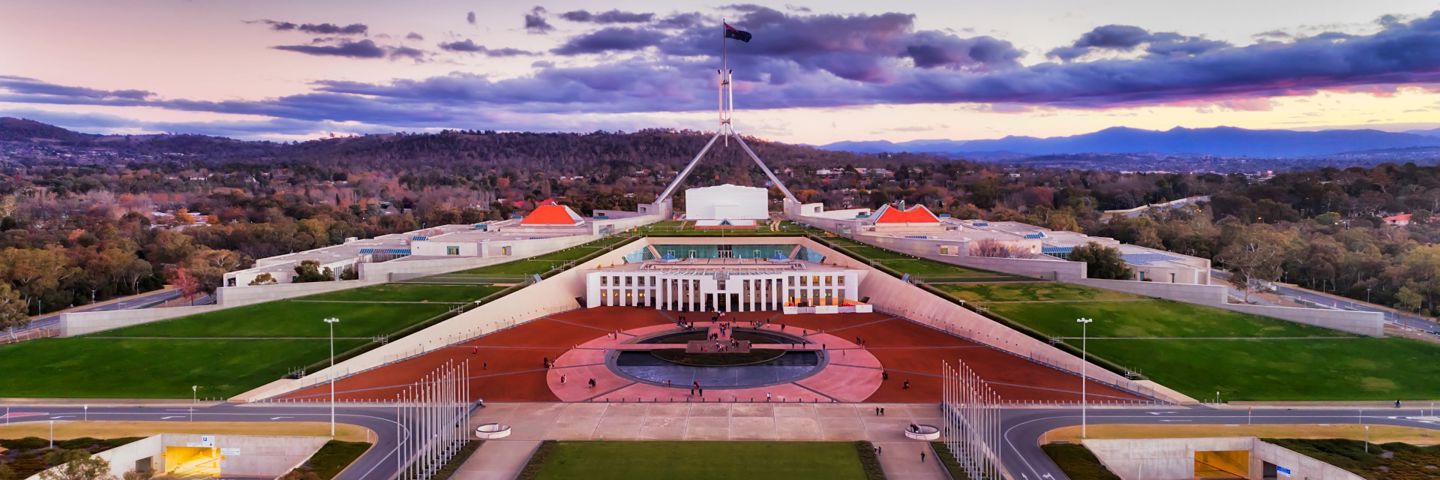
(453, 150)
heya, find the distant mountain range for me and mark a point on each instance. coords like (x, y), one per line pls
(1219, 142)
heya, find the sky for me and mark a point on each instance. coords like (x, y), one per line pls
(814, 72)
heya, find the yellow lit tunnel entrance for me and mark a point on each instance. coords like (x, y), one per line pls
(1222, 464)
(193, 462)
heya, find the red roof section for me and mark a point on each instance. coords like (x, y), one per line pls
(915, 214)
(1404, 217)
(551, 214)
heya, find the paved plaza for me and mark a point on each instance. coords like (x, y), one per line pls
(533, 422)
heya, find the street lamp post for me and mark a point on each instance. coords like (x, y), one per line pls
(331, 322)
(1084, 381)
(194, 398)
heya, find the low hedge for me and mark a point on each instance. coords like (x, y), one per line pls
(869, 461)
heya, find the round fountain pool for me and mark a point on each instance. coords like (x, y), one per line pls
(647, 367)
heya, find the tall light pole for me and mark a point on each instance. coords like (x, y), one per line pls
(1084, 361)
(194, 398)
(331, 322)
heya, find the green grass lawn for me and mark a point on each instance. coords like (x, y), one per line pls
(1077, 461)
(402, 292)
(1030, 292)
(1389, 461)
(1341, 369)
(700, 460)
(1257, 366)
(516, 268)
(288, 318)
(332, 458)
(84, 367)
(1151, 318)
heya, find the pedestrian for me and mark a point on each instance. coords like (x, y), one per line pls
(922, 456)
(481, 402)
(767, 397)
(884, 375)
(474, 350)
(882, 411)
(879, 450)
(907, 385)
(877, 411)
(484, 365)
(562, 379)
(1397, 404)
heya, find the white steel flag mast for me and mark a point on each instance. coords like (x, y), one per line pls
(726, 130)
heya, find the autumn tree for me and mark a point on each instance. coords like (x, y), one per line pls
(12, 308)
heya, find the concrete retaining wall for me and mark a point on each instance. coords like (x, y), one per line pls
(72, 324)
(1361, 323)
(256, 456)
(237, 296)
(1174, 458)
(81, 323)
(1180, 292)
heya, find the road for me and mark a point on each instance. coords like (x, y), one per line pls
(1407, 319)
(378, 462)
(1022, 429)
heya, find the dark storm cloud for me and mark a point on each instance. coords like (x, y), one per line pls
(24, 86)
(317, 28)
(469, 46)
(415, 36)
(1124, 38)
(610, 39)
(329, 47)
(360, 49)
(607, 17)
(535, 21)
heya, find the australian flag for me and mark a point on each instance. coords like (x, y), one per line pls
(735, 33)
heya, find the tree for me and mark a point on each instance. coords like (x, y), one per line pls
(76, 465)
(35, 271)
(12, 308)
(1101, 261)
(309, 271)
(1254, 257)
(264, 279)
(187, 283)
(989, 247)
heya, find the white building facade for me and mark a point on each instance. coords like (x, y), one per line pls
(721, 289)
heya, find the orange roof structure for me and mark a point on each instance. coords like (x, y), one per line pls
(915, 214)
(552, 214)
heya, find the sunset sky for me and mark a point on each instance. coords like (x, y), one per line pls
(815, 72)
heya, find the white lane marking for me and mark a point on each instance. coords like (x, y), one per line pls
(277, 418)
(171, 416)
(57, 417)
(1169, 420)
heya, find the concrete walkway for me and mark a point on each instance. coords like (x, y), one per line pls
(533, 422)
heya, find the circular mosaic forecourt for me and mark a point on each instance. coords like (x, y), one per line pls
(820, 368)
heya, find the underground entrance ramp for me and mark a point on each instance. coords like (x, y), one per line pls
(1220, 465)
